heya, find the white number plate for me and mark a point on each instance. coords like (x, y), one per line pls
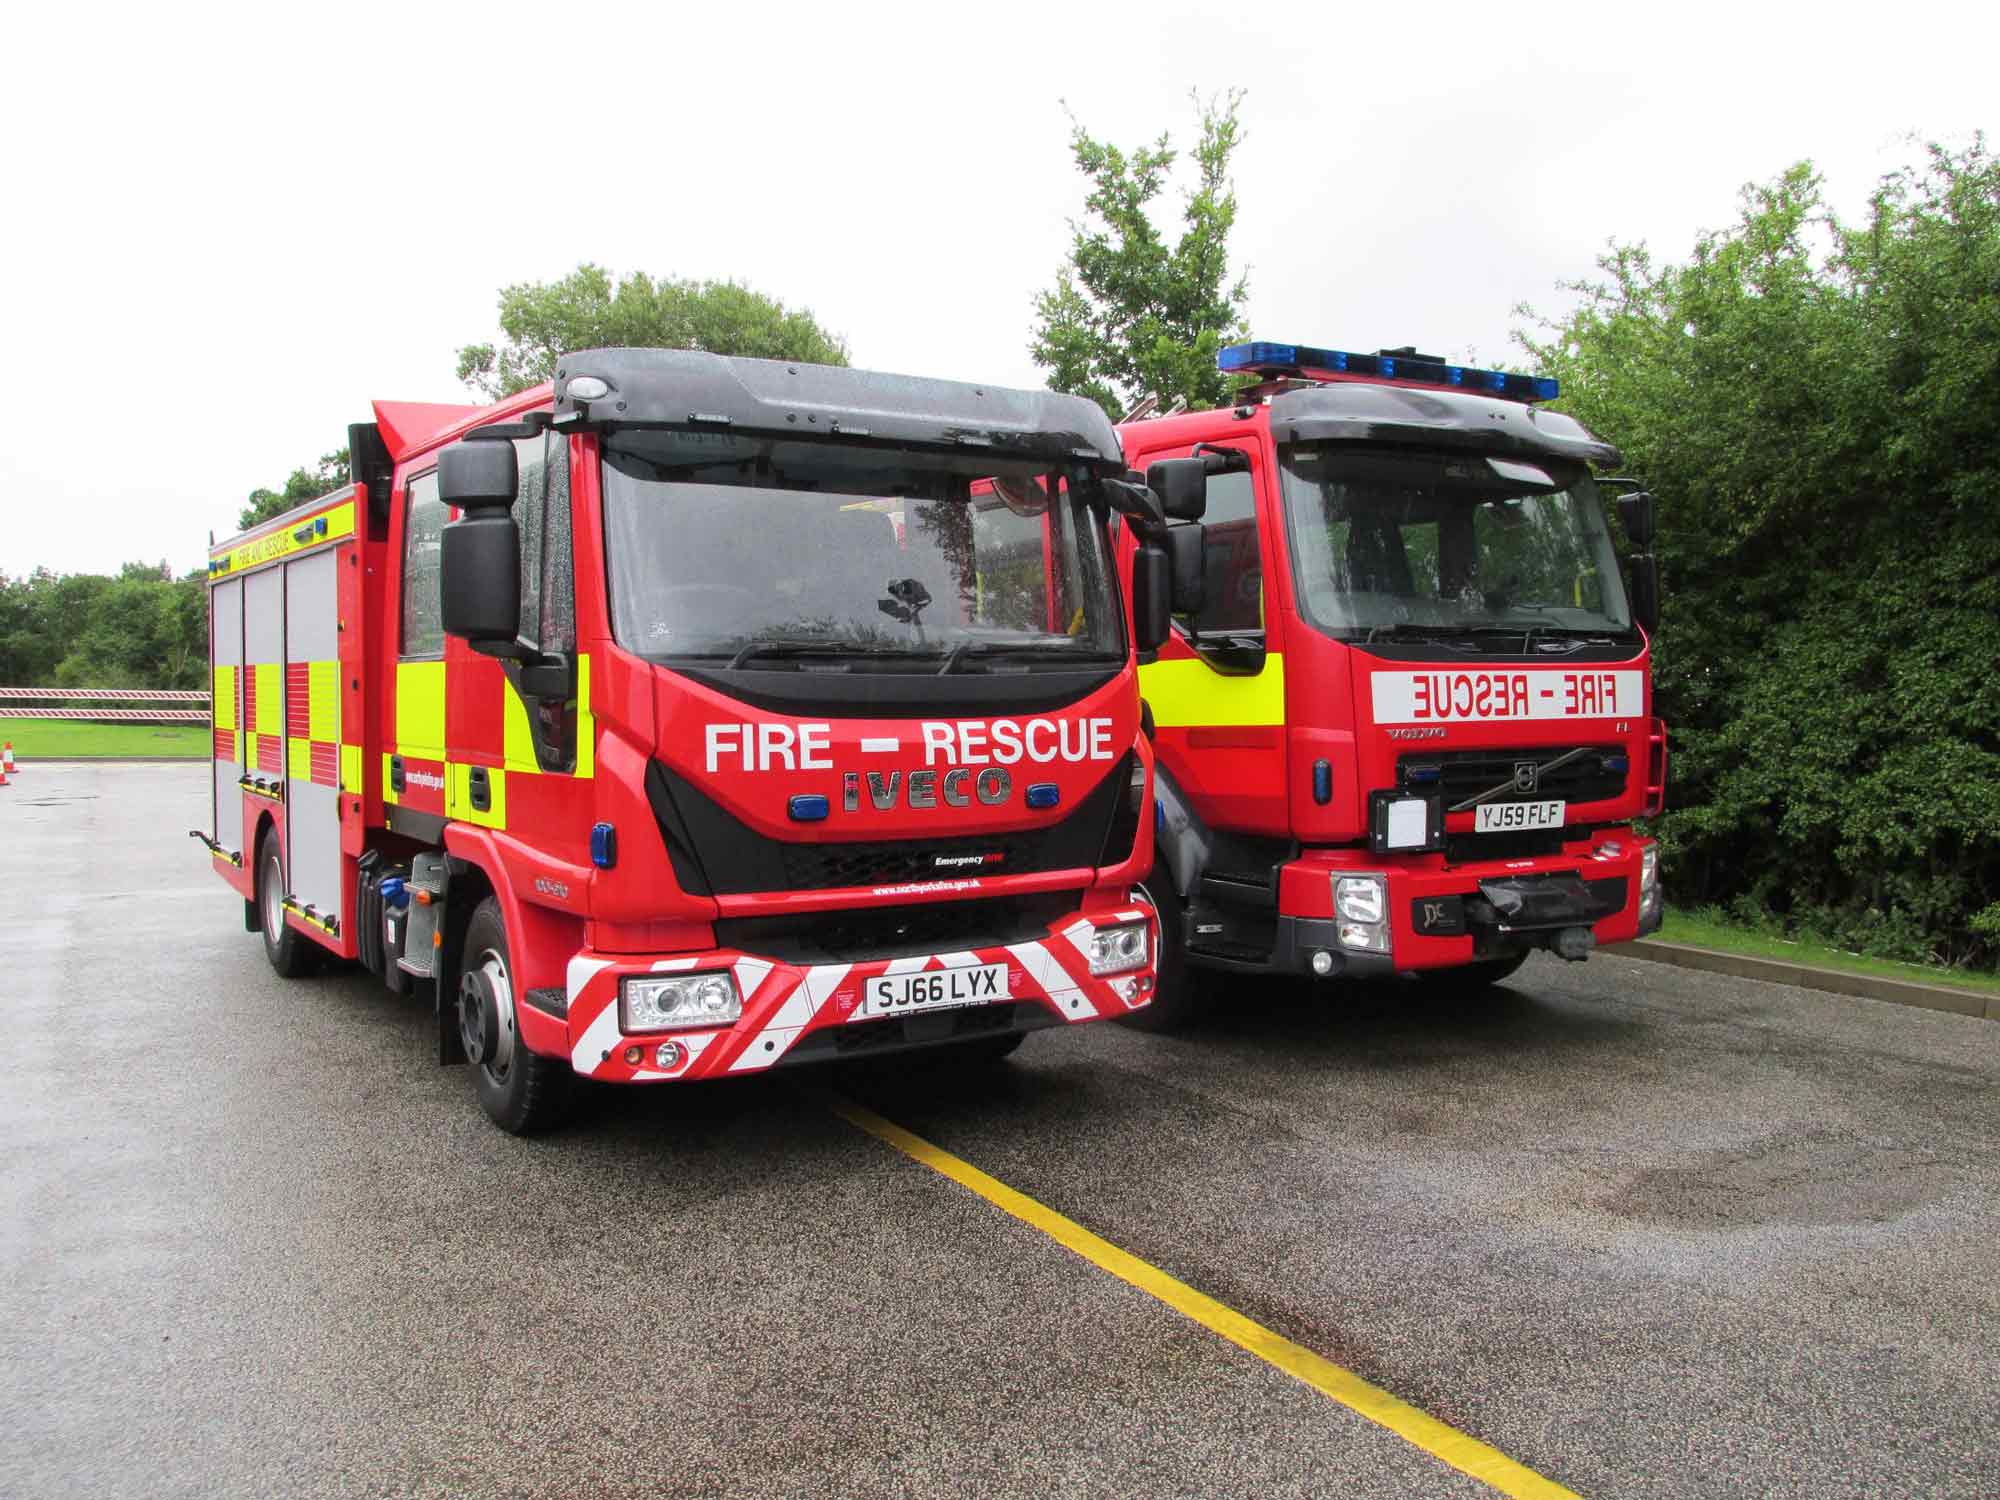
(1512, 817)
(934, 989)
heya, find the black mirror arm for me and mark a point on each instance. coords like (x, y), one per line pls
(1139, 504)
(1219, 460)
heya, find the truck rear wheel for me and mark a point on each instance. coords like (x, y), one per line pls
(290, 953)
(1175, 1001)
(521, 1092)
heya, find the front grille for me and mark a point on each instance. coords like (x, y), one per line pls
(715, 853)
(1460, 774)
(826, 866)
(896, 931)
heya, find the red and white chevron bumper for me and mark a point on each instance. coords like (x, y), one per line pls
(788, 1008)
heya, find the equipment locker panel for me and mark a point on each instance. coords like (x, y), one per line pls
(225, 646)
(312, 732)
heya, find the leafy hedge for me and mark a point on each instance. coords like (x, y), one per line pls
(1817, 406)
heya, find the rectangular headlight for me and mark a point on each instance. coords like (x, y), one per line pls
(659, 1002)
(1359, 898)
(1365, 937)
(1649, 867)
(1113, 950)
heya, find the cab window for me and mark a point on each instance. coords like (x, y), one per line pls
(1233, 567)
(423, 533)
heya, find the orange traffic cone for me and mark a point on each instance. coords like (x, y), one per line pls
(7, 759)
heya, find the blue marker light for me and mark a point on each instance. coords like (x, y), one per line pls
(1615, 762)
(1423, 772)
(603, 845)
(808, 807)
(1271, 359)
(1043, 794)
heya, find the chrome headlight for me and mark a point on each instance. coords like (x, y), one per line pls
(660, 1002)
(1361, 909)
(1359, 898)
(1113, 950)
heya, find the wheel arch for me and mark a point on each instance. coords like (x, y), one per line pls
(540, 940)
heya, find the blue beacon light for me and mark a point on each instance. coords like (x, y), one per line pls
(1262, 357)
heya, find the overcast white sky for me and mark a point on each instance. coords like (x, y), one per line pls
(230, 231)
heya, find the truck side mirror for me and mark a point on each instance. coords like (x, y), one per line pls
(1151, 588)
(476, 474)
(1182, 487)
(1646, 592)
(1636, 512)
(480, 581)
(479, 563)
(1187, 546)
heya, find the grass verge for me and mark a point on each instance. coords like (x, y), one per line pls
(80, 739)
(1703, 930)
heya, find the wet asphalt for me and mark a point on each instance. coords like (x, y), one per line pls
(1650, 1232)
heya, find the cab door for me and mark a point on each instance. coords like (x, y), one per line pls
(1217, 692)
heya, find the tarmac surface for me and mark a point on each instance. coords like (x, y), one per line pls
(1649, 1232)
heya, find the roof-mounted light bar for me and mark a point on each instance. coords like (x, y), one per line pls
(1307, 362)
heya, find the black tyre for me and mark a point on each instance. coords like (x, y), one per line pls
(291, 954)
(1176, 996)
(521, 1092)
(1471, 978)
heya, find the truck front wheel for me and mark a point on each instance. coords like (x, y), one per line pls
(1174, 999)
(521, 1092)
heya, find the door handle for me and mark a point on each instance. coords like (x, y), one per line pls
(395, 773)
(481, 789)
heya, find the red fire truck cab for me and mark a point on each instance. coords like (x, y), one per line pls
(1404, 716)
(690, 717)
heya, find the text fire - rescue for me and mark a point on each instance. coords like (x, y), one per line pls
(1468, 697)
(962, 742)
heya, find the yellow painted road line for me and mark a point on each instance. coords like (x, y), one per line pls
(1447, 1444)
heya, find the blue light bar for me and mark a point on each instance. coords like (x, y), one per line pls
(1302, 359)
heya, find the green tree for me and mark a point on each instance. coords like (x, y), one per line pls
(329, 474)
(1817, 404)
(543, 320)
(1130, 316)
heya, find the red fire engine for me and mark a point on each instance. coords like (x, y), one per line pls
(1404, 716)
(691, 716)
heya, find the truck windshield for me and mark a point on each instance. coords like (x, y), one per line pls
(768, 555)
(1440, 544)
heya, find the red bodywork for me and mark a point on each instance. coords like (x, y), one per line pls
(1243, 745)
(574, 927)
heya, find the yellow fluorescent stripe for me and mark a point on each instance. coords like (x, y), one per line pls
(458, 796)
(323, 701)
(298, 759)
(1447, 1444)
(295, 536)
(517, 740)
(388, 787)
(586, 722)
(270, 698)
(350, 768)
(1188, 691)
(420, 709)
(222, 698)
